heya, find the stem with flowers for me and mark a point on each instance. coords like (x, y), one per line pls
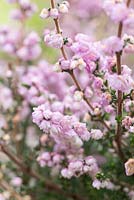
(120, 96)
(71, 72)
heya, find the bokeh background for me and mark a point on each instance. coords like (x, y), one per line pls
(33, 23)
(81, 19)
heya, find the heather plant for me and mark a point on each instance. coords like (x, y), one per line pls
(67, 127)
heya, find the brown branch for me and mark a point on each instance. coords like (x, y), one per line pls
(75, 80)
(31, 173)
(56, 21)
(119, 96)
(128, 3)
(53, 3)
(120, 29)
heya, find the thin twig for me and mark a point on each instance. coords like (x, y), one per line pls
(119, 96)
(30, 172)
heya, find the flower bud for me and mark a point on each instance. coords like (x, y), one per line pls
(63, 7)
(65, 64)
(78, 96)
(54, 13)
(57, 67)
(97, 111)
(54, 40)
(78, 62)
(44, 13)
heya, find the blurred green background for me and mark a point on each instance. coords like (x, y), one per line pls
(5, 8)
(35, 23)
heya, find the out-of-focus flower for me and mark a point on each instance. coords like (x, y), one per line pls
(117, 11)
(96, 134)
(63, 7)
(112, 45)
(16, 181)
(123, 82)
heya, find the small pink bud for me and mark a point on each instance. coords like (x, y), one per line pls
(44, 13)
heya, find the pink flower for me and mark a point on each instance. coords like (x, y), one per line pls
(96, 134)
(65, 64)
(54, 13)
(6, 98)
(44, 13)
(81, 130)
(47, 114)
(88, 92)
(129, 105)
(105, 99)
(97, 83)
(85, 9)
(56, 117)
(57, 158)
(16, 14)
(31, 39)
(44, 158)
(29, 53)
(129, 22)
(66, 173)
(127, 122)
(112, 45)
(123, 82)
(126, 70)
(77, 62)
(96, 184)
(63, 7)
(75, 166)
(116, 11)
(109, 109)
(54, 40)
(37, 115)
(90, 160)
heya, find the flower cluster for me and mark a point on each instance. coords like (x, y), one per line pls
(77, 124)
(37, 87)
(25, 48)
(103, 184)
(88, 165)
(62, 8)
(66, 130)
(49, 159)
